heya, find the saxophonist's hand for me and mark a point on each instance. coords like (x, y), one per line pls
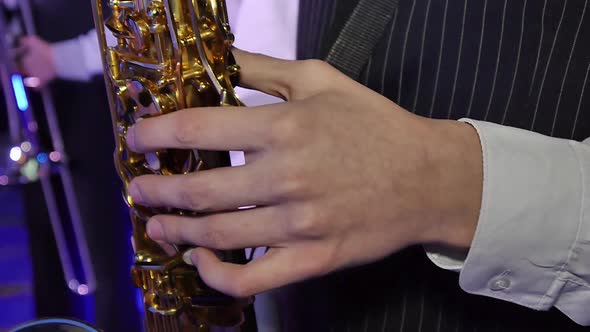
(340, 175)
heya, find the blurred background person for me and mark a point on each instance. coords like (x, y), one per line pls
(65, 59)
(76, 60)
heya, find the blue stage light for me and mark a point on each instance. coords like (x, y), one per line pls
(42, 158)
(19, 92)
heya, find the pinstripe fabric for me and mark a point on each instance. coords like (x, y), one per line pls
(523, 63)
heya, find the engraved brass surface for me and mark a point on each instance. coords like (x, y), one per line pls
(169, 55)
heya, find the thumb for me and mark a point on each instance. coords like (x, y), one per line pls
(286, 79)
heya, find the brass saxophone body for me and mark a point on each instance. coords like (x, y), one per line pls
(169, 55)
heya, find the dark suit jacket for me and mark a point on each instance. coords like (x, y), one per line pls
(519, 63)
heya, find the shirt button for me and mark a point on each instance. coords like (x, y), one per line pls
(500, 284)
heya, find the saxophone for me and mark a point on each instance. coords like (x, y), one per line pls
(169, 55)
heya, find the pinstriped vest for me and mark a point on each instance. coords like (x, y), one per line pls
(522, 63)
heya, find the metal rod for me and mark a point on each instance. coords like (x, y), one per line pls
(88, 277)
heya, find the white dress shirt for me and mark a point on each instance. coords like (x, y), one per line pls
(532, 243)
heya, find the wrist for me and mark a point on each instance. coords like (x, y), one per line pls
(456, 163)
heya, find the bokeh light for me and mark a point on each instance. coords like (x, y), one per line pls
(16, 154)
(83, 289)
(55, 156)
(73, 284)
(42, 158)
(26, 146)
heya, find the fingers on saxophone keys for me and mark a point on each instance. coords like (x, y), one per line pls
(225, 231)
(290, 80)
(278, 267)
(217, 129)
(264, 73)
(212, 190)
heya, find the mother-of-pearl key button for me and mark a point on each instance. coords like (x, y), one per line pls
(153, 161)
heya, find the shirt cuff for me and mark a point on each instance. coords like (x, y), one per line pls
(79, 59)
(532, 242)
(69, 60)
(445, 257)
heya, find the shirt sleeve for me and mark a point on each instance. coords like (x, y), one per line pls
(79, 59)
(532, 243)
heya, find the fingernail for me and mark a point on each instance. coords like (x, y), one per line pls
(186, 257)
(154, 230)
(130, 138)
(135, 193)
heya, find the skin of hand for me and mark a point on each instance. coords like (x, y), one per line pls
(36, 59)
(340, 176)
